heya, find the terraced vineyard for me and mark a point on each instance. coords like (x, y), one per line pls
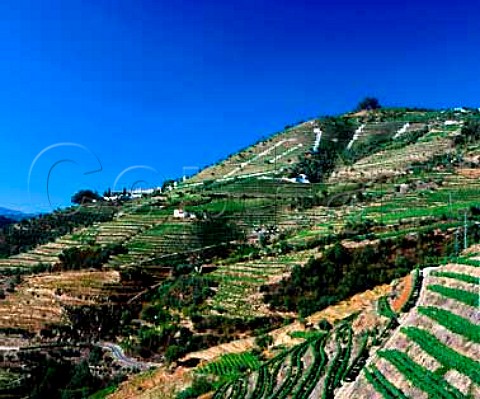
(312, 369)
(40, 301)
(237, 294)
(385, 130)
(431, 360)
(166, 236)
(265, 158)
(315, 368)
(231, 363)
(394, 161)
(436, 350)
(80, 221)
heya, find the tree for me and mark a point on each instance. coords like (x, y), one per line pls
(470, 132)
(317, 166)
(369, 103)
(85, 196)
(81, 377)
(167, 184)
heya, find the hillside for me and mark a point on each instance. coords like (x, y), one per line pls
(436, 349)
(325, 261)
(428, 351)
(5, 221)
(9, 216)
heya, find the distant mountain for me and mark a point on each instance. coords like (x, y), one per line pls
(13, 214)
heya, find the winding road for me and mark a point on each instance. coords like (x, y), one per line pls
(116, 351)
(119, 355)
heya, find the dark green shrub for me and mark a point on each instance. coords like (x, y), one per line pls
(264, 341)
(200, 386)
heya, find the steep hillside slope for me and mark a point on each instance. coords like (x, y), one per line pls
(269, 274)
(432, 349)
(435, 352)
(268, 157)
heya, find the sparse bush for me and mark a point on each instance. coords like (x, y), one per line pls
(173, 352)
(470, 132)
(264, 341)
(324, 325)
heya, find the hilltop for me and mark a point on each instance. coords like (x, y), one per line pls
(336, 258)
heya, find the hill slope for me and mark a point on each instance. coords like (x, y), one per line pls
(256, 281)
(432, 349)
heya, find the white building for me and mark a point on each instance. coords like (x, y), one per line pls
(451, 123)
(181, 214)
(301, 178)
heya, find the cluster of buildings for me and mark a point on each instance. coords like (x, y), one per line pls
(130, 194)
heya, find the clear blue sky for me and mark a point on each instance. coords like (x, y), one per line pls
(168, 84)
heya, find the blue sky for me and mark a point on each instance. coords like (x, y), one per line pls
(142, 89)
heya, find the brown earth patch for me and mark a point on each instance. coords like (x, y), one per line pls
(471, 173)
(157, 384)
(406, 289)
